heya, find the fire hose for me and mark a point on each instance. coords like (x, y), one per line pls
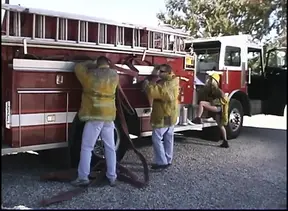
(98, 171)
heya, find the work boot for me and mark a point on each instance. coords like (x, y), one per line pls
(111, 183)
(157, 166)
(197, 120)
(80, 182)
(224, 144)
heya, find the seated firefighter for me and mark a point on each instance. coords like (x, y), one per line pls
(215, 101)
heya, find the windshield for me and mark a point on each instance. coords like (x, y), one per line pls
(208, 60)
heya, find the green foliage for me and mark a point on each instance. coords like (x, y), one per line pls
(205, 18)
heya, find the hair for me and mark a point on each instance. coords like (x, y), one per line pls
(212, 82)
(166, 68)
(102, 60)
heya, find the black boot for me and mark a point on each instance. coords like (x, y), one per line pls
(224, 144)
(197, 120)
(156, 166)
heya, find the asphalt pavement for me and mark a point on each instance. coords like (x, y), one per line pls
(251, 174)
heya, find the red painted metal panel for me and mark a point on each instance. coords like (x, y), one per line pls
(34, 135)
(23, 79)
(234, 81)
(29, 136)
(55, 133)
(56, 102)
(26, 29)
(72, 30)
(145, 124)
(31, 103)
(93, 32)
(111, 34)
(50, 27)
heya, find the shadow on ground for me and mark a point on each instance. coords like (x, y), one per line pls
(213, 135)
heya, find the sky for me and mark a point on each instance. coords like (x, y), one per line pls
(129, 11)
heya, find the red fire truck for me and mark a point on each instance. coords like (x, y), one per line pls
(41, 95)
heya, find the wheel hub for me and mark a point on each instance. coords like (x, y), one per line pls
(99, 150)
(234, 119)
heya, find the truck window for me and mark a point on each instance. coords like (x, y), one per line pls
(255, 62)
(207, 59)
(232, 56)
(277, 59)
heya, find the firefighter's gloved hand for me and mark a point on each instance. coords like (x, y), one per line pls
(153, 78)
(144, 85)
(155, 72)
(92, 64)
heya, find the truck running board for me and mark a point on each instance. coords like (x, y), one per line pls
(6, 150)
(179, 128)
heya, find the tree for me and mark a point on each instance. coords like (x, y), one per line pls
(280, 21)
(205, 18)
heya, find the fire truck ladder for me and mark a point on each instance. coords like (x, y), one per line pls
(13, 34)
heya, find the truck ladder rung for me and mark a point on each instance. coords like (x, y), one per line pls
(62, 23)
(40, 22)
(79, 31)
(86, 31)
(7, 22)
(103, 40)
(17, 24)
(33, 26)
(82, 31)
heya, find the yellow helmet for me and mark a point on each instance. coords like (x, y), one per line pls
(216, 77)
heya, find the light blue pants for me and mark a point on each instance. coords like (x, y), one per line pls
(163, 141)
(91, 132)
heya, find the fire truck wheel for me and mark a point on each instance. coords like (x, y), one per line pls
(235, 119)
(75, 139)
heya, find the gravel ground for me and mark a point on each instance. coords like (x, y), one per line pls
(250, 174)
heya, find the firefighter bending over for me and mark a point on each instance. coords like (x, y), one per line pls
(216, 102)
(98, 110)
(163, 89)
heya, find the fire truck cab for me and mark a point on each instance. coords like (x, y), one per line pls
(253, 85)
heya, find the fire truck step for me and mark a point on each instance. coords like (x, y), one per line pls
(198, 127)
(6, 150)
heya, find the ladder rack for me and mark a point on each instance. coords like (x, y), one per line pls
(20, 23)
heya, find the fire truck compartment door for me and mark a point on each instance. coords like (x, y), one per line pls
(56, 117)
(276, 81)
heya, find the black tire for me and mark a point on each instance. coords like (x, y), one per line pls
(75, 140)
(234, 126)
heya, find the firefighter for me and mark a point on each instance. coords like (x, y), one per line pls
(214, 101)
(98, 111)
(163, 89)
